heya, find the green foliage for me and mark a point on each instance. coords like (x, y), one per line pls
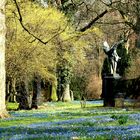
(54, 94)
(125, 61)
(64, 72)
(69, 8)
(133, 72)
(26, 56)
(11, 106)
(121, 119)
(78, 85)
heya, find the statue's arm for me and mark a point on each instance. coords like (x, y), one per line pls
(117, 44)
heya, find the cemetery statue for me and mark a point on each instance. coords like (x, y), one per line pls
(113, 57)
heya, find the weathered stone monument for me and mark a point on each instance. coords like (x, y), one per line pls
(109, 79)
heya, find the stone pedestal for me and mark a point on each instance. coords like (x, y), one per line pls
(108, 93)
(119, 102)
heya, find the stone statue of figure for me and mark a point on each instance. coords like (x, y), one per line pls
(113, 57)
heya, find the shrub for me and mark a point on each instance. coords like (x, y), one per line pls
(121, 119)
(94, 87)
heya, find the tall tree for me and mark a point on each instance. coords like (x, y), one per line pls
(129, 17)
(3, 112)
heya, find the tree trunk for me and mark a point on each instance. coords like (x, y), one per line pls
(11, 89)
(63, 80)
(8, 87)
(36, 91)
(58, 2)
(3, 112)
(137, 31)
(60, 80)
(137, 43)
(22, 96)
(49, 91)
(66, 93)
(53, 93)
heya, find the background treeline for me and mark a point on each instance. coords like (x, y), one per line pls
(54, 48)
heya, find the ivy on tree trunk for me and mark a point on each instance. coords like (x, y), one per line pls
(63, 79)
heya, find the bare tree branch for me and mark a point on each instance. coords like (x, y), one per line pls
(107, 3)
(110, 23)
(130, 24)
(29, 32)
(93, 21)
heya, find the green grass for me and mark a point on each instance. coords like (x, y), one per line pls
(58, 112)
(11, 106)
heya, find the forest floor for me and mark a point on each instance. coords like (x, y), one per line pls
(68, 121)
